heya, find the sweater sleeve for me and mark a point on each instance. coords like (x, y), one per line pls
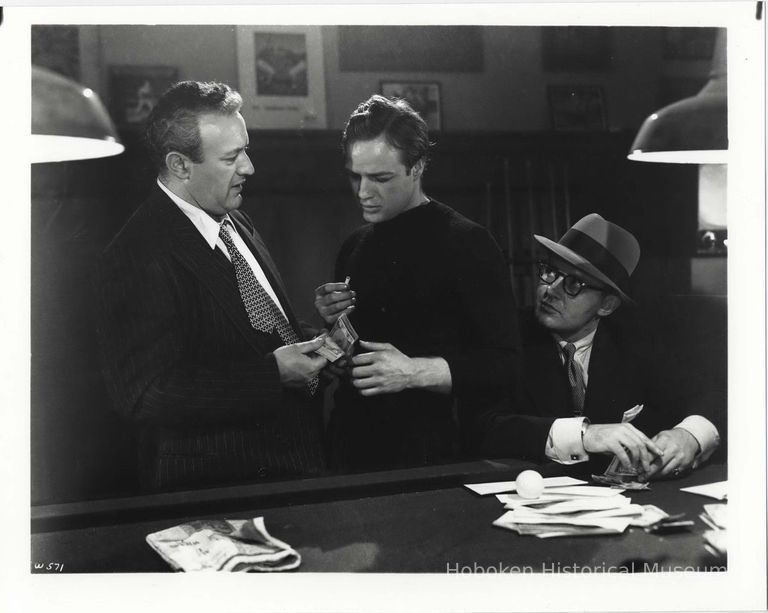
(485, 358)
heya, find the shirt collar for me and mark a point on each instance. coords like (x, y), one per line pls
(205, 224)
(582, 344)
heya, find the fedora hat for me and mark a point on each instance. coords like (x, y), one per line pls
(601, 249)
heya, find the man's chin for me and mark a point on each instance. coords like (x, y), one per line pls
(372, 216)
(546, 319)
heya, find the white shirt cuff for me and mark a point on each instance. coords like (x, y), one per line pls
(705, 433)
(564, 443)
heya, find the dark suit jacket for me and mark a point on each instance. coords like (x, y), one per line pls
(182, 361)
(627, 366)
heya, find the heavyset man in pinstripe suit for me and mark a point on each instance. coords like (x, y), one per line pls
(217, 393)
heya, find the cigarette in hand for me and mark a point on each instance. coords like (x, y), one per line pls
(346, 281)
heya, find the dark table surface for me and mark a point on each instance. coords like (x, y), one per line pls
(402, 521)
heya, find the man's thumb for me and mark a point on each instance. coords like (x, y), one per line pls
(315, 343)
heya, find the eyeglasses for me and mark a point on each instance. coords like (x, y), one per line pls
(571, 285)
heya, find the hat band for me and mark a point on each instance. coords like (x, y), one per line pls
(597, 255)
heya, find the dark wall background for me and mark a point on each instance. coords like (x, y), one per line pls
(497, 162)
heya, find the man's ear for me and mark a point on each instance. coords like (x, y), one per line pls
(610, 303)
(179, 165)
(418, 169)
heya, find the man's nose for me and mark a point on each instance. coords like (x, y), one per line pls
(364, 190)
(556, 287)
(246, 166)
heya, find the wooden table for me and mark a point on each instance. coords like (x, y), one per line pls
(417, 520)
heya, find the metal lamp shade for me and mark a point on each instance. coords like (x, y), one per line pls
(693, 130)
(69, 121)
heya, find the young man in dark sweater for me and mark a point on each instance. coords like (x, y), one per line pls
(430, 297)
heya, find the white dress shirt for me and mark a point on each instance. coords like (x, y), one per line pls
(209, 229)
(564, 442)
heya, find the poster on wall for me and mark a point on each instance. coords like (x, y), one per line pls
(134, 91)
(280, 69)
(423, 96)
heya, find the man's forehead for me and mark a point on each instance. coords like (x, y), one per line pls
(569, 269)
(374, 154)
(222, 131)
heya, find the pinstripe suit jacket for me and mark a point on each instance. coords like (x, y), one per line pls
(182, 361)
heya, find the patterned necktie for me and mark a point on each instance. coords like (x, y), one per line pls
(575, 378)
(263, 313)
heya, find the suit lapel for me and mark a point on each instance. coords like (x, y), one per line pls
(546, 379)
(210, 267)
(608, 388)
(259, 249)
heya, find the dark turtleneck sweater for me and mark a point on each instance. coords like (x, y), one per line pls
(433, 284)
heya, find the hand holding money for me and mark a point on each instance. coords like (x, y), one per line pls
(680, 449)
(631, 447)
(334, 299)
(340, 342)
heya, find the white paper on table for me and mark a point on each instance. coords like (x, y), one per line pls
(497, 487)
(593, 503)
(586, 490)
(516, 500)
(611, 523)
(630, 510)
(718, 513)
(717, 539)
(651, 515)
(718, 490)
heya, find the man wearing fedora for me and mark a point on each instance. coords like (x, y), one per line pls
(586, 387)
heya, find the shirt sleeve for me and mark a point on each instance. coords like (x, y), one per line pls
(564, 443)
(705, 433)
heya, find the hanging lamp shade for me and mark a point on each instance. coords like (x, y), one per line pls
(69, 121)
(693, 130)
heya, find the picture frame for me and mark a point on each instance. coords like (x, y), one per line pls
(577, 107)
(281, 76)
(423, 96)
(134, 91)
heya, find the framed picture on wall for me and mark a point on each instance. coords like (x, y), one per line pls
(423, 96)
(577, 107)
(134, 90)
(282, 81)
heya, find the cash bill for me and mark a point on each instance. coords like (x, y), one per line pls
(621, 481)
(340, 341)
(330, 350)
(226, 545)
(618, 475)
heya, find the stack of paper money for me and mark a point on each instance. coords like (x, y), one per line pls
(230, 545)
(340, 341)
(616, 474)
(575, 511)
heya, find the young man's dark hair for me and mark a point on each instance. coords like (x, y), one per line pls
(402, 127)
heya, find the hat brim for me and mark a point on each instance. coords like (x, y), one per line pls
(579, 262)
